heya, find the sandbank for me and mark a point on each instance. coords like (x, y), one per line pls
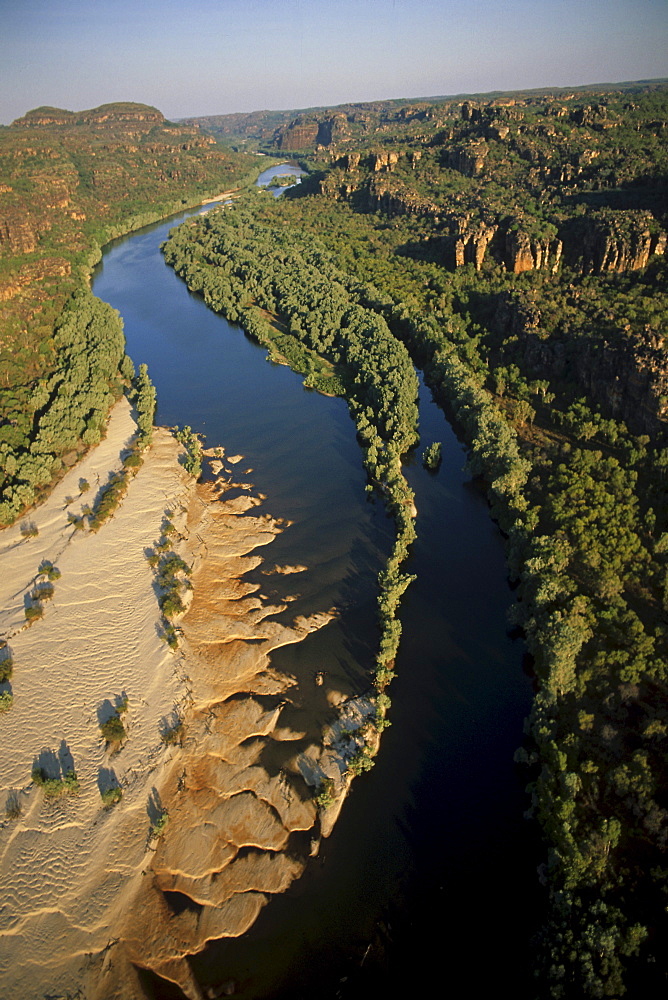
(86, 891)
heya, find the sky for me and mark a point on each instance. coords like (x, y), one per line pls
(203, 57)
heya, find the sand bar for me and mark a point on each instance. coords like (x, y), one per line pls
(86, 891)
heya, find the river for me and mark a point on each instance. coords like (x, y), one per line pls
(431, 852)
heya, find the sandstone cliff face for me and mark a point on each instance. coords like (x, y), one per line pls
(469, 160)
(620, 241)
(297, 135)
(379, 197)
(307, 133)
(470, 112)
(373, 194)
(471, 241)
(46, 116)
(530, 253)
(17, 235)
(383, 161)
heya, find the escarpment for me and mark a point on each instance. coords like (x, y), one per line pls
(469, 160)
(525, 252)
(620, 241)
(305, 133)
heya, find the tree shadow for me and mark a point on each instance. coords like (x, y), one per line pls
(107, 780)
(47, 763)
(65, 757)
(111, 707)
(106, 711)
(154, 807)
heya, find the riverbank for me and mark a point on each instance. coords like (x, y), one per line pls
(185, 804)
(69, 865)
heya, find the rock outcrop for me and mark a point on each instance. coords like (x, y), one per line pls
(524, 252)
(383, 161)
(472, 237)
(620, 241)
(469, 160)
(308, 133)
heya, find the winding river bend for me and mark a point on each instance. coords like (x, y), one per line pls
(417, 878)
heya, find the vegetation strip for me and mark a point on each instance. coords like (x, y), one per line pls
(288, 294)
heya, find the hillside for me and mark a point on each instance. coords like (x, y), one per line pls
(360, 123)
(69, 182)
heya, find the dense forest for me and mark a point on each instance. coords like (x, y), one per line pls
(515, 250)
(69, 183)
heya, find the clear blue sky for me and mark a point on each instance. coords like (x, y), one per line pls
(218, 56)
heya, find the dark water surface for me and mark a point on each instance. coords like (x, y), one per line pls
(424, 869)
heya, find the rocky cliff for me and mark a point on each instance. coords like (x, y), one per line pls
(106, 113)
(524, 252)
(469, 160)
(472, 237)
(620, 241)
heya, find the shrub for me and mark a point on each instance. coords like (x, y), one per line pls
(13, 806)
(171, 604)
(174, 734)
(46, 568)
(362, 761)
(133, 460)
(192, 460)
(29, 530)
(6, 701)
(325, 796)
(33, 613)
(6, 669)
(170, 635)
(111, 796)
(70, 782)
(160, 824)
(53, 787)
(113, 729)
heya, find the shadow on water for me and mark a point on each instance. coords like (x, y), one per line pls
(430, 848)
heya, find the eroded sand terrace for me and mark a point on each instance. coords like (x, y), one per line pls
(87, 892)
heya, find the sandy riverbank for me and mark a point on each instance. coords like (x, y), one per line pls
(86, 893)
(68, 865)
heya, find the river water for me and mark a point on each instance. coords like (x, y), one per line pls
(431, 852)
